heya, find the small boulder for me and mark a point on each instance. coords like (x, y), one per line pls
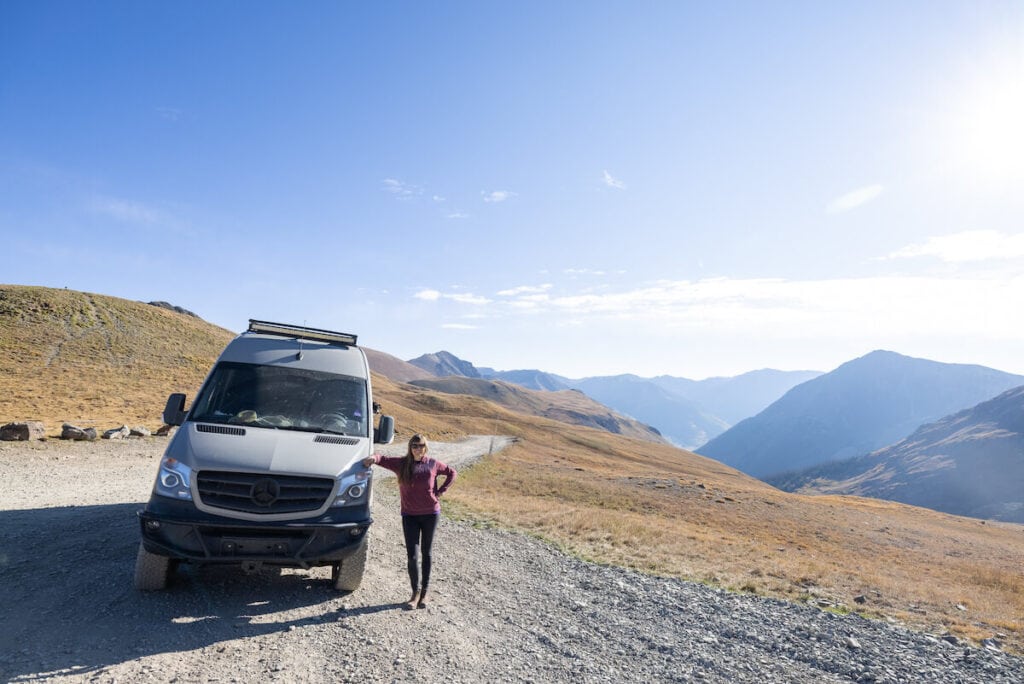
(22, 432)
(140, 431)
(69, 431)
(117, 433)
(164, 430)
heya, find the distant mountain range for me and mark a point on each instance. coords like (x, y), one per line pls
(686, 412)
(863, 405)
(843, 432)
(567, 406)
(970, 463)
(681, 420)
(443, 364)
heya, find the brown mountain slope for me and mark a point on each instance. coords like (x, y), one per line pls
(95, 360)
(568, 406)
(969, 463)
(604, 496)
(393, 367)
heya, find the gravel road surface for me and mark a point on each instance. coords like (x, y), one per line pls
(505, 607)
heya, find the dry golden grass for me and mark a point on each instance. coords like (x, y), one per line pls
(672, 513)
(88, 358)
(96, 361)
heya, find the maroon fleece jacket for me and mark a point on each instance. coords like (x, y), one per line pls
(420, 496)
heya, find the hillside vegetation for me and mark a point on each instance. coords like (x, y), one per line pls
(94, 360)
(610, 498)
(568, 406)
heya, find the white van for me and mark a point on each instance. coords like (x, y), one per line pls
(266, 465)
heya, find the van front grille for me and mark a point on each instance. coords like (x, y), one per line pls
(261, 493)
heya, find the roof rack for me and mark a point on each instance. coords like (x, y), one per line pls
(300, 331)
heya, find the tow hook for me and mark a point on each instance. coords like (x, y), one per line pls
(251, 567)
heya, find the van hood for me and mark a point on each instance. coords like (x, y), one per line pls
(287, 452)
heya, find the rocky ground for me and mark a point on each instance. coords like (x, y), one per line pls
(506, 607)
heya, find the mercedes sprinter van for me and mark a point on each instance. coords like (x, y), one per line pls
(266, 465)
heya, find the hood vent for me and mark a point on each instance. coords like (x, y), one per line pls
(331, 439)
(221, 430)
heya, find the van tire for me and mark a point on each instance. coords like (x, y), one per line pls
(151, 571)
(347, 575)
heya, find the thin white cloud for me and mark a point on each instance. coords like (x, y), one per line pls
(830, 309)
(457, 215)
(428, 295)
(889, 307)
(400, 189)
(524, 289)
(497, 195)
(438, 198)
(127, 211)
(854, 199)
(894, 306)
(467, 298)
(613, 182)
(458, 326)
(966, 246)
(583, 271)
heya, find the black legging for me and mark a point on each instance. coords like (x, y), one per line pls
(419, 535)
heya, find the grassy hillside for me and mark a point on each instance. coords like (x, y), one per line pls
(606, 497)
(568, 406)
(95, 360)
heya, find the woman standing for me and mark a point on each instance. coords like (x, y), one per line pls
(419, 492)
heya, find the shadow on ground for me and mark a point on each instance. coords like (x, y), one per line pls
(69, 605)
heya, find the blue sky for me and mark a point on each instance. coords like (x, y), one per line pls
(695, 189)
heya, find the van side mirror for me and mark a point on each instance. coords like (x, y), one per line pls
(385, 432)
(174, 411)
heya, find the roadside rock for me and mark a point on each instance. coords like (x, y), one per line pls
(73, 432)
(117, 433)
(22, 432)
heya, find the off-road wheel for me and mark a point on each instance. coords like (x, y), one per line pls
(347, 575)
(152, 571)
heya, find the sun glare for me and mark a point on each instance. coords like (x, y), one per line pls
(989, 132)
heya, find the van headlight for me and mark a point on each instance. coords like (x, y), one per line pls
(353, 488)
(174, 480)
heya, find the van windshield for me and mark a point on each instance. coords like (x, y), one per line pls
(283, 398)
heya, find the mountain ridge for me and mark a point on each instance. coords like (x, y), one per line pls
(969, 463)
(567, 406)
(676, 407)
(863, 405)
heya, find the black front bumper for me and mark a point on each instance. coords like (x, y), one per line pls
(178, 530)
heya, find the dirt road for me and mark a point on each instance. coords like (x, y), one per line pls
(506, 607)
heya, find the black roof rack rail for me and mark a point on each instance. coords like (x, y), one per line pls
(300, 331)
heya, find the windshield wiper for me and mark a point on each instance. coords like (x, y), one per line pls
(318, 430)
